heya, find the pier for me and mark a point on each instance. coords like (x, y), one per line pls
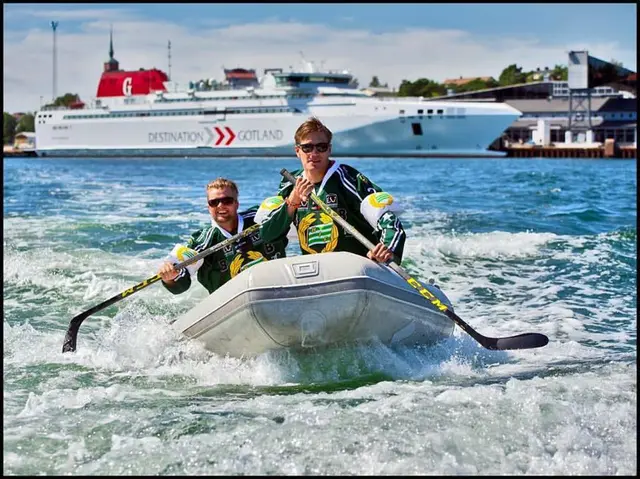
(573, 151)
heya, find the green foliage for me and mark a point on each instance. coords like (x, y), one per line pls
(474, 85)
(65, 100)
(8, 128)
(374, 82)
(560, 73)
(26, 123)
(512, 75)
(421, 87)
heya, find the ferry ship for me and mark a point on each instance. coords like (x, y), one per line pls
(143, 113)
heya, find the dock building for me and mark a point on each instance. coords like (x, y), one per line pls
(597, 105)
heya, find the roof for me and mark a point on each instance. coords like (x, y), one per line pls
(564, 123)
(475, 93)
(29, 135)
(240, 73)
(618, 124)
(561, 105)
(620, 104)
(379, 89)
(248, 76)
(555, 122)
(463, 81)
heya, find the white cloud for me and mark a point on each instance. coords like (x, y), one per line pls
(58, 14)
(199, 53)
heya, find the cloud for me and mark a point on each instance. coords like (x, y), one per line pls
(202, 52)
(59, 14)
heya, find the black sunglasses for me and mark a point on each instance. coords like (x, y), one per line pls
(308, 147)
(225, 200)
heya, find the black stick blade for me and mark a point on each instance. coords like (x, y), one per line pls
(71, 337)
(69, 344)
(520, 341)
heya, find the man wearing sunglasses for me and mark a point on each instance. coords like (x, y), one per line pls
(216, 269)
(358, 200)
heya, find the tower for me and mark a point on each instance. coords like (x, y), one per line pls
(54, 26)
(169, 54)
(112, 64)
(579, 114)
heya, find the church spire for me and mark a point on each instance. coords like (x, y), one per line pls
(111, 65)
(111, 44)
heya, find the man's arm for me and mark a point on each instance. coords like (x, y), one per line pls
(182, 282)
(378, 209)
(274, 214)
(392, 234)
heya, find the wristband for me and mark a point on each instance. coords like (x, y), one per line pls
(291, 203)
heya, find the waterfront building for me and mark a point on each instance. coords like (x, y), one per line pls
(613, 113)
(597, 105)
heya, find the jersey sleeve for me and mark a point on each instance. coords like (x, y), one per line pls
(392, 233)
(183, 281)
(276, 222)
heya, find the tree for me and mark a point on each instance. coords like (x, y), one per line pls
(374, 82)
(26, 123)
(9, 123)
(512, 75)
(421, 87)
(475, 85)
(616, 62)
(560, 73)
(65, 100)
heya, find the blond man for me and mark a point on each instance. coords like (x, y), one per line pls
(216, 269)
(356, 198)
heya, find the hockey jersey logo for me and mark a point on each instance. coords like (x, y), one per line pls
(317, 233)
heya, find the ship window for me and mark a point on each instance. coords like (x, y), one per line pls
(420, 112)
(429, 112)
(402, 112)
(440, 112)
(417, 129)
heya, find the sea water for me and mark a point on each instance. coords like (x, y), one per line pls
(518, 245)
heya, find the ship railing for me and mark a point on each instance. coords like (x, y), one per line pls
(393, 99)
(94, 104)
(54, 108)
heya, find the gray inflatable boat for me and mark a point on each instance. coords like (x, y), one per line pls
(320, 300)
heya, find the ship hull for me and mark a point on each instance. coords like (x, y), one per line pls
(360, 130)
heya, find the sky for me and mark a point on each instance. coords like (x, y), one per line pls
(391, 41)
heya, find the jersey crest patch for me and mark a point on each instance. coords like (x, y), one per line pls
(317, 233)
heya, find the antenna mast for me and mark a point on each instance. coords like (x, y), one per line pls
(169, 54)
(54, 26)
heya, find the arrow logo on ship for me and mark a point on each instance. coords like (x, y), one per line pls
(222, 135)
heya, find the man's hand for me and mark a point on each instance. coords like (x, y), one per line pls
(301, 190)
(168, 272)
(380, 253)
